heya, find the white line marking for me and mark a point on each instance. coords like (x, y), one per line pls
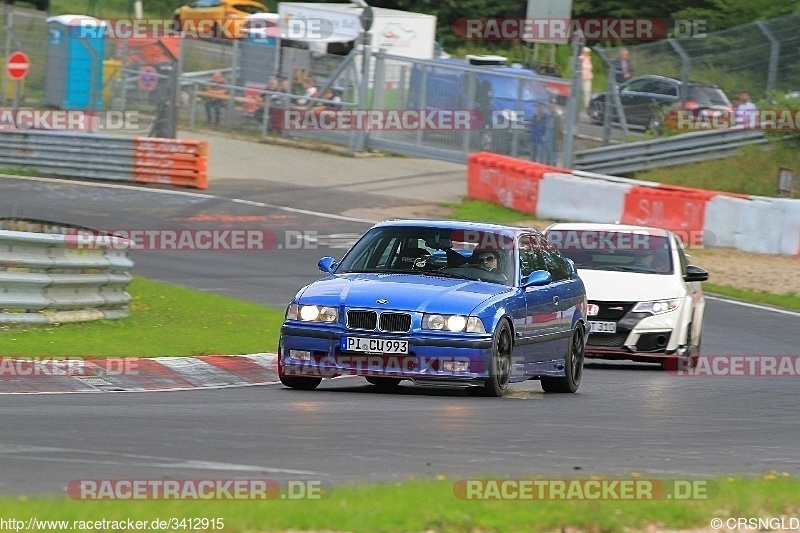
(754, 306)
(145, 461)
(190, 194)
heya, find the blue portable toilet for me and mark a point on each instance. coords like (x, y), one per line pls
(74, 67)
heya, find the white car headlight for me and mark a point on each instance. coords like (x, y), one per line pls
(312, 313)
(657, 307)
(456, 323)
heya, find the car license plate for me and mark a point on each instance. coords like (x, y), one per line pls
(603, 327)
(361, 344)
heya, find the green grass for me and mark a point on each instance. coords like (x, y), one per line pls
(787, 300)
(753, 171)
(432, 506)
(479, 210)
(165, 321)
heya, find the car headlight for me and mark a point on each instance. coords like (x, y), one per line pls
(471, 324)
(312, 313)
(657, 307)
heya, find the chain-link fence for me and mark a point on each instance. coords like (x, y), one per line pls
(761, 58)
(24, 31)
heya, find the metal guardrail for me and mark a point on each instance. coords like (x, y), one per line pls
(44, 280)
(669, 151)
(94, 156)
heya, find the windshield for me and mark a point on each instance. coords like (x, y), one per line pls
(467, 254)
(614, 250)
(707, 96)
(532, 90)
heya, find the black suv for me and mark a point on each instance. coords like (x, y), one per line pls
(645, 100)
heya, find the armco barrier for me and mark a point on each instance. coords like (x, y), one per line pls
(710, 218)
(565, 196)
(92, 156)
(506, 180)
(43, 280)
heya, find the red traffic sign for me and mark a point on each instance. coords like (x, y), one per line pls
(148, 78)
(17, 65)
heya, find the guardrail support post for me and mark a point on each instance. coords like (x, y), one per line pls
(573, 103)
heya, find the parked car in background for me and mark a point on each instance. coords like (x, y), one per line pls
(440, 303)
(646, 99)
(220, 18)
(645, 300)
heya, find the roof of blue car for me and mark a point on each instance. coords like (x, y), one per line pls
(455, 224)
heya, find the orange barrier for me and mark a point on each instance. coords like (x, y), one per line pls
(505, 180)
(171, 161)
(672, 208)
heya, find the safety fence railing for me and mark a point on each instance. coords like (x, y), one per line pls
(83, 155)
(667, 151)
(51, 277)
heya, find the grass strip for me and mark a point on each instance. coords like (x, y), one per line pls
(787, 300)
(166, 320)
(432, 506)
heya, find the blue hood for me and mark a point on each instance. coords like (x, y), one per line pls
(404, 292)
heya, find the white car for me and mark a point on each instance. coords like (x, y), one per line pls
(645, 301)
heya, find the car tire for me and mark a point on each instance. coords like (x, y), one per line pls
(596, 112)
(301, 383)
(176, 23)
(573, 366)
(655, 124)
(386, 384)
(500, 364)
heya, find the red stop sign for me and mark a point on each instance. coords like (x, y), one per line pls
(17, 65)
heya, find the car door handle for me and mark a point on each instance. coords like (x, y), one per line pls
(555, 300)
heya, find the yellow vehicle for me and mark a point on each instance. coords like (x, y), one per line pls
(216, 18)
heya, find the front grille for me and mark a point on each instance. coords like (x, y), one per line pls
(605, 339)
(396, 322)
(362, 319)
(611, 310)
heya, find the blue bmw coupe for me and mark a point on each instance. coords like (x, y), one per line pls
(440, 303)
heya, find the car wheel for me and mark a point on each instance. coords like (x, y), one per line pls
(573, 366)
(176, 23)
(655, 124)
(302, 383)
(499, 366)
(596, 112)
(384, 383)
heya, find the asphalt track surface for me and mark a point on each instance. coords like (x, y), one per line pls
(625, 418)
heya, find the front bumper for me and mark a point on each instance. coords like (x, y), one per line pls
(310, 350)
(639, 337)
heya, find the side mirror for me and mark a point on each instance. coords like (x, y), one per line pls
(328, 264)
(695, 273)
(537, 278)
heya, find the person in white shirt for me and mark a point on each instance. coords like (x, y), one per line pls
(586, 75)
(745, 109)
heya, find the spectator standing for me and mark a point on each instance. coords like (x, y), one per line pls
(311, 91)
(623, 68)
(586, 76)
(215, 98)
(538, 131)
(553, 135)
(744, 111)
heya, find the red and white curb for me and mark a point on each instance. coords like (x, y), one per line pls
(19, 376)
